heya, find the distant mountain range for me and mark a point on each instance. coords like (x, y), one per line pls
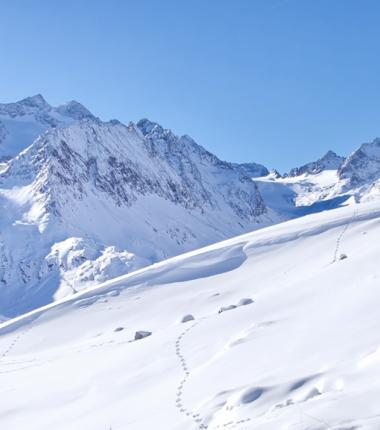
(84, 200)
(330, 161)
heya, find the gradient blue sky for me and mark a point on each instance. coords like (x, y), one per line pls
(274, 81)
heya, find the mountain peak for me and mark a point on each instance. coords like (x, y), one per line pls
(74, 110)
(35, 101)
(330, 153)
(330, 161)
(37, 117)
(28, 105)
(363, 165)
(146, 126)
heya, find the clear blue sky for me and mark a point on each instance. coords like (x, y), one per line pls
(273, 81)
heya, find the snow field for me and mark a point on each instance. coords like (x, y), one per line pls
(303, 355)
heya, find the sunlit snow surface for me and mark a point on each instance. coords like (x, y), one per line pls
(304, 355)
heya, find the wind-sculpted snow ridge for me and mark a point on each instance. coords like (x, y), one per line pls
(302, 353)
(94, 200)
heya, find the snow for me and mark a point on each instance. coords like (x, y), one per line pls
(294, 196)
(303, 355)
(20, 133)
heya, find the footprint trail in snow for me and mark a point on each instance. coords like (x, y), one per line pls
(180, 403)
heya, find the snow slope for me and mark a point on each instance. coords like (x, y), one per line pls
(304, 355)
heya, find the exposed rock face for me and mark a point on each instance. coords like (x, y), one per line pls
(226, 308)
(187, 318)
(363, 165)
(245, 302)
(330, 161)
(141, 334)
(125, 164)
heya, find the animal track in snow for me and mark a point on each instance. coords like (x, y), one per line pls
(339, 239)
(183, 409)
(248, 396)
(14, 342)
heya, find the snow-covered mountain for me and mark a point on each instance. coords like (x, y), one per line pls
(313, 187)
(24, 121)
(324, 184)
(360, 173)
(84, 200)
(330, 161)
(92, 200)
(362, 166)
(297, 345)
